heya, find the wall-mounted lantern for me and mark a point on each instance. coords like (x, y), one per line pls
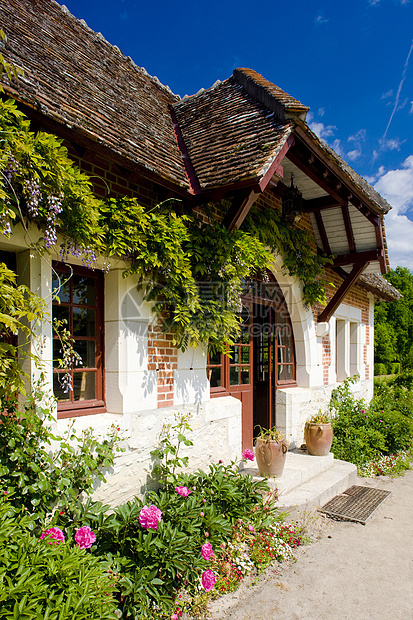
(292, 206)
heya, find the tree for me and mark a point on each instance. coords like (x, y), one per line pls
(394, 321)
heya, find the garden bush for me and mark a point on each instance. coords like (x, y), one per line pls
(40, 470)
(380, 369)
(45, 579)
(363, 433)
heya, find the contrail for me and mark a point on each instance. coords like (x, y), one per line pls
(396, 103)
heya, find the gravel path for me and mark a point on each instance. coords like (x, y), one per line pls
(352, 572)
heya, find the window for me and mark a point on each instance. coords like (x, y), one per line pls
(78, 300)
(226, 371)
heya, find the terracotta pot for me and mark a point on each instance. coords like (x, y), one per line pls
(318, 438)
(270, 457)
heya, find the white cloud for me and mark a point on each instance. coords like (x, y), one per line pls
(393, 144)
(321, 112)
(396, 186)
(411, 108)
(336, 146)
(352, 155)
(388, 94)
(320, 19)
(321, 130)
(359, 136)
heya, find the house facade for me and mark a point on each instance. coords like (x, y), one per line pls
(242, 142)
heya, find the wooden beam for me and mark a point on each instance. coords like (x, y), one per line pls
(357, 258)
(319, 204)
(322, 231)
(276, 167)
(334, 303)
(329, 186)
(239, 210)
(349, 228)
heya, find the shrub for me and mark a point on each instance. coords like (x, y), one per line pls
(363, 433)
(380, 369)
(394, 368)
(53, 581)
(39, 478)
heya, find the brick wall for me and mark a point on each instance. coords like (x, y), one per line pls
(162, 357)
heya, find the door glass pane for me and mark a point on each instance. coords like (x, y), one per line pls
(289, 372)
(84, 385)
(214, 376)
(214, 358)
(57, 353)
(61, 313)
(281, 372)
(83, 322)
(234, 375)
(245, 355)
(245, 375)
(289, 354)
(234, 355)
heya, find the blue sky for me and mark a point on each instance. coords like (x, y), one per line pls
(350, 62)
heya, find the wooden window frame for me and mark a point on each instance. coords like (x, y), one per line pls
(96, 405)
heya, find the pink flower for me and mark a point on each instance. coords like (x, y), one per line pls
(208, 580)
(202, 514)
(184, 491)
(84, 537)
(206, 535)
(149, 517)
(174, 617)
(251, 528)
(207, 551)
(204, 501)
(248, 455)
(54, 535)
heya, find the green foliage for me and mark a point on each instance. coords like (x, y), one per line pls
(394, 320)
(40, 470)
(166, 456)
(18, 307)
(380, 369)
(293, 244)
(363, 433)
(49, 581)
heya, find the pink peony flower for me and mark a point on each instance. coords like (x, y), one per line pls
(208, 580)
(184, 491)
(204, 501)
(149, 517)
(84, 537)
(202, 514)
(206, 535)
(207, 551)
(54, 535)
(248, 455)
(174, 617)
(251, 528)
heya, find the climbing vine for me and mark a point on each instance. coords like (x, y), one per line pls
(191, 271)
(294, 245)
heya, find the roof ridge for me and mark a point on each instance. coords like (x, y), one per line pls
(267, 93)
(102, 39)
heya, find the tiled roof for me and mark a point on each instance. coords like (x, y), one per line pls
(380, 287)
(74, 76)
(229, 136)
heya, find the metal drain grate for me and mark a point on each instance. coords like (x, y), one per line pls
(355, 504)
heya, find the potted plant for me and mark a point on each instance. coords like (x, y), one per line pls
(318, 434)
(270, 451)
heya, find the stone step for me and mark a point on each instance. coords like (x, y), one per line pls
(309, 480)
(323, 487)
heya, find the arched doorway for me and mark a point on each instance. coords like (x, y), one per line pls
(261, 361)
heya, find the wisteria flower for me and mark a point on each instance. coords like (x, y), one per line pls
(54, 535)
(208, 580)
(184, 491)
(149, 517)
(248, 455)
(207, 551)
(84, 537)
